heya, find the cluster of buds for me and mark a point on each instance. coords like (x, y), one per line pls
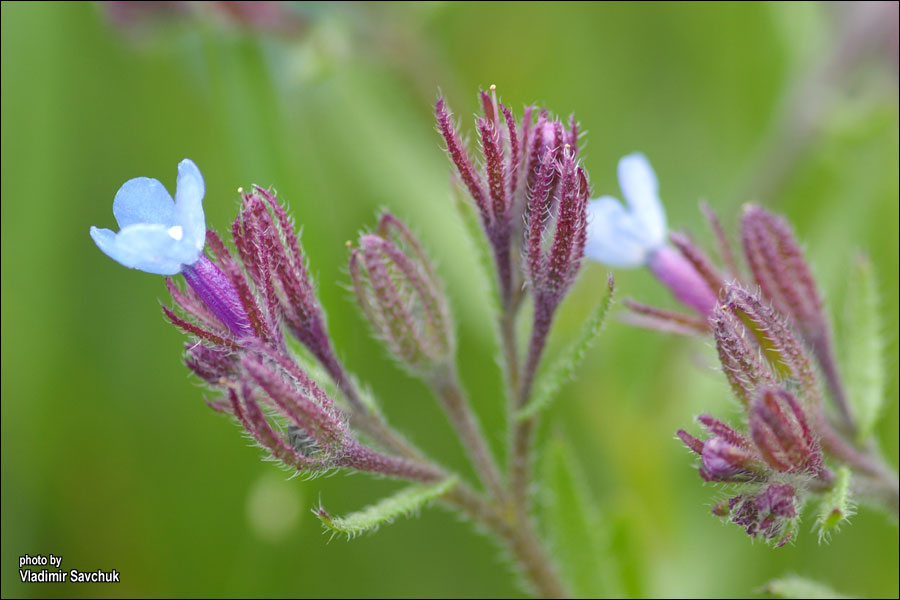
(266, 390)
(757, 337)
(780, 461)
(777, 268)
(531, 198)
(777, 465)
(237, 308)
(530, 174)
(401, 296)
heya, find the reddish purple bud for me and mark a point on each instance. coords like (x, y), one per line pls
(782, 351)
(718, 428)
(782, 434)
(247, 411)
(493, 163)
(778, 500)
(515, 151)
(723, 461)
(783, 275)
(523, 167)
(738, 355)
(457, 152)
(769, 514)
(274, 259)
(212, 364)
(301, 405)
(683, 280)
(552, 271)
(401, 296)
(780, 270)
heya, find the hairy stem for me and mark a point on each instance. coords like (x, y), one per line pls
(510, 353)
(523, 431)
(520, 539)
(449, 391)
(513, 527)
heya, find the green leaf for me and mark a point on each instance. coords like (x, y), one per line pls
(403, 503)
(562, 370)
(836, 507)
(575, 530)
(798, 587)
(862, 347)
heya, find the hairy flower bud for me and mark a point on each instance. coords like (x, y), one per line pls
(782, 273)
(272, 255)
(770, 514)
(401, 296)
(519, 179)
(783, 353)
(780, 270)
(723, 461)
(738, 355)
(727, 455)
(210, 363)
(552, 270)
(782, 434)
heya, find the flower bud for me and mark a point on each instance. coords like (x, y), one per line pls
(738, 355)
(783, 275)
(519, 179)
(781, 432)
(727, 455)
(271, 254)
(783, 353)
(211, 363)
(401, 296)
(723, 461)
(770, 514)
(781, 271)
(561, 185)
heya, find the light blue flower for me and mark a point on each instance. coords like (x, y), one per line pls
(157, 235)
(627, 237)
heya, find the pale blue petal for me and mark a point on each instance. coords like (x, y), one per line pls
(143, 200)
(614, 237)
(189, 204)
(146, 247)
(641, 190)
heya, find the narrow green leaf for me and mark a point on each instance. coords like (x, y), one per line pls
(403, 503)
(798, 587)
(562, 370)
(836, 507)
(575, 530)
(862, 347)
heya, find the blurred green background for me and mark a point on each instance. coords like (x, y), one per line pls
(111, 459)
